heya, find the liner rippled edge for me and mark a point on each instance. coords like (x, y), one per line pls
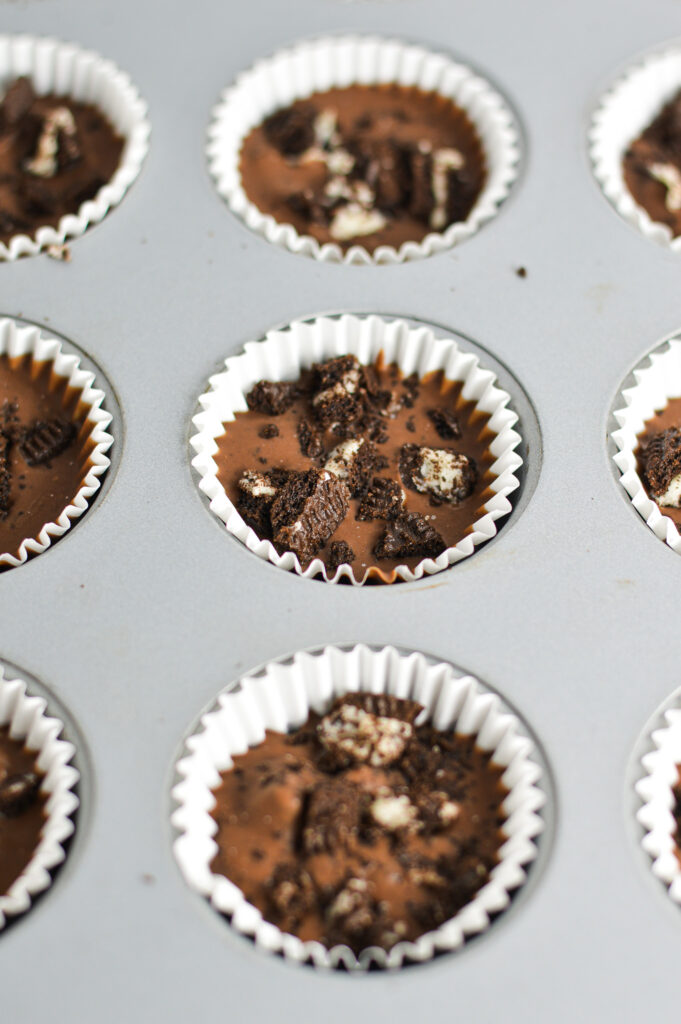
(621, 115)
(658, 379)
(336, 62)
(27, 721)
(656, 792)
(20, 340)
(65, 69)
(280, 697)
(282, 354)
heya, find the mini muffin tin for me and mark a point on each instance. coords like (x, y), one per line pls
(147, 609)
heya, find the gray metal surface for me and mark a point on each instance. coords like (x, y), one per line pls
(139, 617)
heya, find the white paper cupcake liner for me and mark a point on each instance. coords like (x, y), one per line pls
(284, 353)
(622, 114)
(658, 380)
(64, 69)
(27, 721)
(336, 62)
(656, 792)
(280, 697)
(19, 340)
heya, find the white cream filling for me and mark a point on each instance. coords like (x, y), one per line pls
(441, 471)
(341, 458)
(672, 496)
(444, 160)
(669, 176)
(44, 163)
(354, 221)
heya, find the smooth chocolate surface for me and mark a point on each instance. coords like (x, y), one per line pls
(378, 517)
(39, 415)
(368, 165)
(361, 827)
(21, 808)
(670, 416)
(652, 167)
(55, 154)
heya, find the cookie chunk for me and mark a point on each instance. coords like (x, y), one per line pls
(662, 460)
(310, 440)
(446, 476)
(354, 461)
(446, 423)
(257, 491)
(332, 816)
(383, 500)
(307, 510)
(407, 536)
(340, 553)
(272, 397)
(291, 131)
(46, 439)
(290, 894)
(365, 731)
(17, 792)
(337, 384)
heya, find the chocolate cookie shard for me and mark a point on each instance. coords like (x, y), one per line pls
(272, 397)
(340, 553)
(309, 440)
(257, 491)
(291, 130)
(445, 423)
(354, 915)
(366, 731)
(16, 102)
(337, 384)
(46, 439)
(383, 164)
(332, 817)
(383, 500)
(409, 535)
(17, 792)
(662, 460)
(354, 461)
(290, 893)
(445, 475)
(307, 510)
(269, 431)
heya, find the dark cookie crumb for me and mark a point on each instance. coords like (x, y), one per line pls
(662, 459)
(46, 439)
(309, 440)
(17, 792)
(446, 424)
(521, 272)
(272, 397)
(409, 535)
(383, 500)
(291, 131)
(268, 431)
(340, 553)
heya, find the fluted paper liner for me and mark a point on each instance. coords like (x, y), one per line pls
(284, 353)
(66, 70)
(280, 697)
(336, 62)
(19, 340)
(622, 114)
(658, 379)
(655, 790)
(26, 718)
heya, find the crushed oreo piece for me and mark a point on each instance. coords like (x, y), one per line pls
(5, 476)
(291, 130)
(307, 510)
(353, 914)
(337, 397)
(662, 460)
(316, 207)
(445, 423)
(332, 816)
(272, 397)
(354, 461)
(358, 730)
(269, 431)
(16, 102)
(310, 440)
(444, 475)
(257, 492)
(290, 893)
(409, 535)
(340, 553)
(384, 166)
(45, 439)
(383, 499)
(17, 792)
(422, 200)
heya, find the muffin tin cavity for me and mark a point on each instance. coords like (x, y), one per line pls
(417, 349)
(31, 717)
(280, 697)
(64, 70)
(646, 391)
(55, 438)
(320, 65)
(622, 114)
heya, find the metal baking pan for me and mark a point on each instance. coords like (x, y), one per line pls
(144, 611)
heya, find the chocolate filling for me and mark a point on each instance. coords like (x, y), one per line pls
(22, 813)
